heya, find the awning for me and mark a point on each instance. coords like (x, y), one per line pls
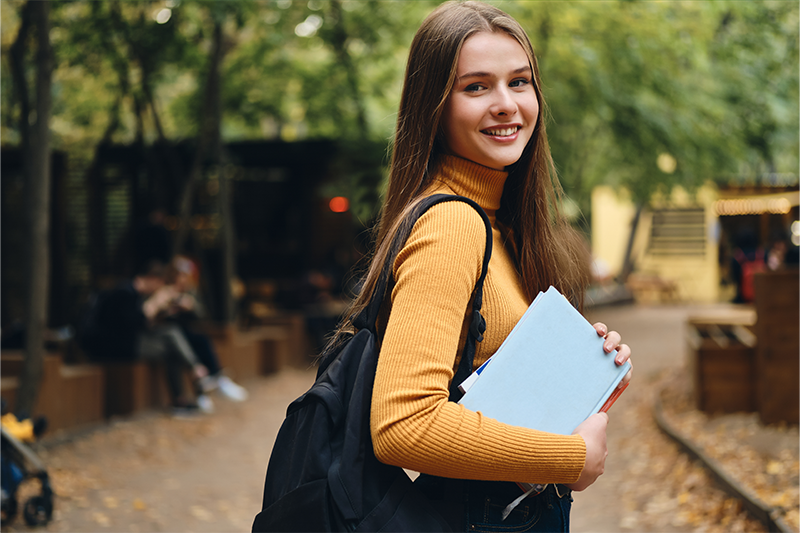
(777, 203)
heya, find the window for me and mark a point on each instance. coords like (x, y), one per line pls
(678, 232)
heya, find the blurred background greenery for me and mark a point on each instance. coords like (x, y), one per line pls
(241, 120)
(713, 84)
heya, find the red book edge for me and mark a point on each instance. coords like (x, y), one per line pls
(613, 398)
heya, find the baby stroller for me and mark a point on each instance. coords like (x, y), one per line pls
(18, 463)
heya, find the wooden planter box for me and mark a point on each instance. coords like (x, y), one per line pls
(778, 354)
(295, 346)
(722, 361)
(273, 342)
(239, 355)
(70, 396)
(253, 352)
(135, 386)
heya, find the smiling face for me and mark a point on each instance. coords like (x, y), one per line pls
(491, 112)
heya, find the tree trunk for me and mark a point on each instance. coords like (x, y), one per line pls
(208, 138)
(96, 190)
(210, 150)
(339, 37)
(38, 210)
(228, 244)
(627, 264)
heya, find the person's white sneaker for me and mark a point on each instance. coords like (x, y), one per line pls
(231, 390)
(205, 404)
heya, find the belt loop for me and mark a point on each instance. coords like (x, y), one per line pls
(567, 490)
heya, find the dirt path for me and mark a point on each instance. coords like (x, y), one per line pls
(155, 473)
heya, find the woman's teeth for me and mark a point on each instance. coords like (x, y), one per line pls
(502, 132)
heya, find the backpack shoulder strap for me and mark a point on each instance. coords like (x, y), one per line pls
(368, 317)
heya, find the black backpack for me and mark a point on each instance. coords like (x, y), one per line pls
(323, 474)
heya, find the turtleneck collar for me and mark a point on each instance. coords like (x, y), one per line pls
(482, 184)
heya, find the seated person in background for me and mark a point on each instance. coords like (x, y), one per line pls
(177, 304)
(121, 325)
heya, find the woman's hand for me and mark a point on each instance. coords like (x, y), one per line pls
(613, 340)
(185, 302)
(158, 302)
(593, 431)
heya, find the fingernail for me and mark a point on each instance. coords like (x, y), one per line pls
(607, 346)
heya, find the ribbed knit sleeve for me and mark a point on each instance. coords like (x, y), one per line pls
(413, 424)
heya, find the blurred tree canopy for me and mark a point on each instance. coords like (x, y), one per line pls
(640, 94)
(652, 94)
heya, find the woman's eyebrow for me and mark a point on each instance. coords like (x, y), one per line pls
(481, 74)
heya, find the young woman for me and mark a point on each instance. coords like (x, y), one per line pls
(470, 123)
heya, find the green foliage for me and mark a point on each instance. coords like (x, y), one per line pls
(761, 68)
(712, 86)
(311, 69)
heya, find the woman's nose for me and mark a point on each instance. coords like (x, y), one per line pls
(504, 104)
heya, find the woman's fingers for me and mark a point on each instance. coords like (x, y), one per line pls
(623, 354)
(612, 341)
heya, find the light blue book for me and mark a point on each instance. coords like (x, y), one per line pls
(550, 374)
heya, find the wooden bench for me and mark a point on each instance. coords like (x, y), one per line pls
(141, 385)
(135, 386)
(274, 346)
(256, 351)
(74, 395)
(238, 354)
(297, 346)
(70, 396)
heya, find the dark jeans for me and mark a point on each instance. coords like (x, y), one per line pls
(204, 350)
(477, 505)
(168, 343)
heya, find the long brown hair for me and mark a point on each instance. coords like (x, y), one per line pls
(549, 251)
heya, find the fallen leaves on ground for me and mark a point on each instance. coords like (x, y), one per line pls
(662, 489)
(761, 458)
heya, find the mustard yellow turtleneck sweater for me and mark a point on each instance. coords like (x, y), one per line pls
(413, 424)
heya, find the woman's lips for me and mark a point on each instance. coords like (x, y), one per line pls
(502, 133)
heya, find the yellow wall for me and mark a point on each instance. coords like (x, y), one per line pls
(697, 278)
(612, 214)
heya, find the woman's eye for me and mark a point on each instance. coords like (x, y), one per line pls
(519, 83)
(475, 87)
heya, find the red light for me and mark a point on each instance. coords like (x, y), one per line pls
(339, 204)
